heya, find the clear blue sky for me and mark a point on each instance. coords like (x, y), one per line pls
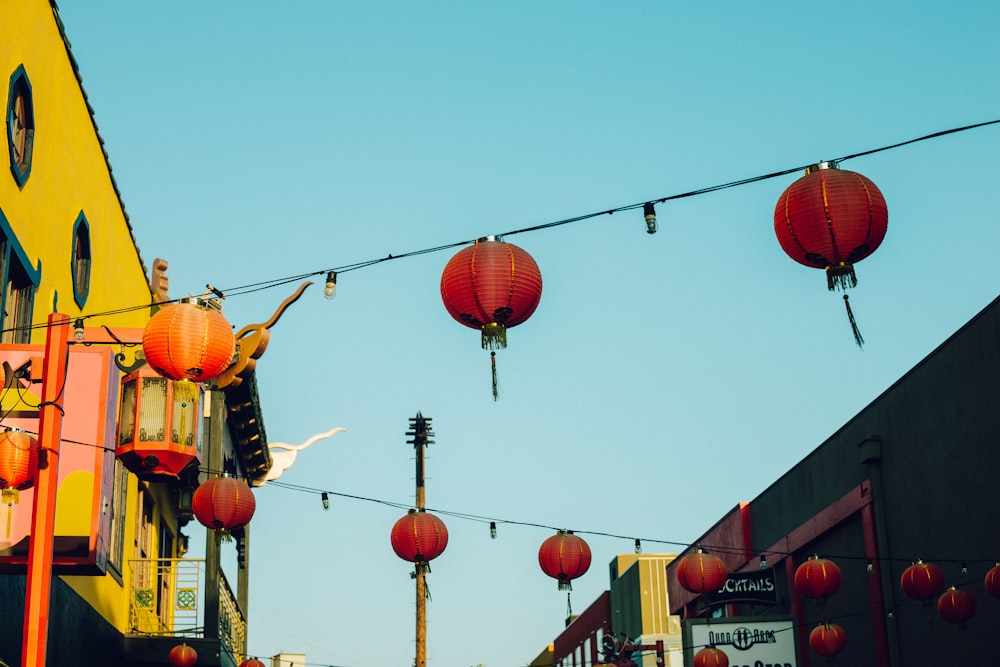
(662, 379)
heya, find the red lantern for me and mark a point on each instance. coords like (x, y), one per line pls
(710, 657)
(564, 556)
(992, 581)
(419, 537)
(182, 655)
(956, 606)
(830, 219)
(922, 581)
(701, 572)
(190, 340)
(491, 286)
(828, 639)
(817, 578)
(251, 662)
(223, 504)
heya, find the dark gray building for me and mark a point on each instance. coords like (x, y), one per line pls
(912, 476)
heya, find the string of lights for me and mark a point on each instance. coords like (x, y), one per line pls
(646, 204)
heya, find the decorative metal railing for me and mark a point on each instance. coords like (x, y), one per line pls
(166, 597)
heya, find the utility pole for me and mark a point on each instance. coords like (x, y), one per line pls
(420, 432)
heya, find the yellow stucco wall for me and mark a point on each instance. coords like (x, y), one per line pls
(69, 174)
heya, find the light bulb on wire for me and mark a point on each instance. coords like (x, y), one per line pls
(78, 331)
(649, 213)
(330, 290)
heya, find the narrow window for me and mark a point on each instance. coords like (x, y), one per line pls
(19, 282)
(81, 260)
(20, 125)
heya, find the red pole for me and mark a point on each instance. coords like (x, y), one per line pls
(43, 511)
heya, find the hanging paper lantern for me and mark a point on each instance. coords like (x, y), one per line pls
(564, 557)
(419, 537)
(817, 578)
(828, 639)
(223, 504)
(831, 219)
(251, 662)
(956, 606)
(992, 581)
(922, 581)
(18, 463)
(710, 657)
(491, 286)
(182, 655)
(701, 572)
(190, 340)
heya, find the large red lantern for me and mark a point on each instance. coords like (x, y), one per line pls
(817, 578)
(922, 581)
(491, 286)
(828, 639)
(251, 662)
(710, 657)
(992, 581)
(182, 655)
(223, 504)
(956, 606)
(419, 537)
(564, 557)
(189, 340)
(701, 572)
(831, 219)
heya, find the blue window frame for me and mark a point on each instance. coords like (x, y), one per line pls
(19, 281)
(80, 262)
(20, 125)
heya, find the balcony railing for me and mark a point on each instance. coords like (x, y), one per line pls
(166, 597)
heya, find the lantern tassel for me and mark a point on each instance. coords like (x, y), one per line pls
(10, 496)
(494, 336)
(10, 514)
(496, 382)
(841, 276)
(854, 325)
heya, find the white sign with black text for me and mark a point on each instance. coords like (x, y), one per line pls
(747, 642)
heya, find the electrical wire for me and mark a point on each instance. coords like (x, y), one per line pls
(268, 284)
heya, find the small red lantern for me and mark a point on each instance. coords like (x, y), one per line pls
(564, 557)
(223, 504)
(710, 657)
(419, 537)
(830, 219)
(828, 639)
(992, 581)
(251, 662)
(491, 286)
(701, 572)
(182, 655)
(956, 606)
(922, 581)
(817, 578)
(189, 340)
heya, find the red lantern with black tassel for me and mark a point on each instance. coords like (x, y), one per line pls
(491, 286)
(182, 655)
(922, 581)
(992, 581)
(818, 578)
(828, 639)
(223, 504)
(564, 557)
(956, 606)
(701, 572)
(419, 537)
(710, 657)
(831, 219)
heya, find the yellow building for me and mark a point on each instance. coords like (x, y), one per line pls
(123, 595)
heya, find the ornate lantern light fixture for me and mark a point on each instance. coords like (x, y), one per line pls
(564, 557)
